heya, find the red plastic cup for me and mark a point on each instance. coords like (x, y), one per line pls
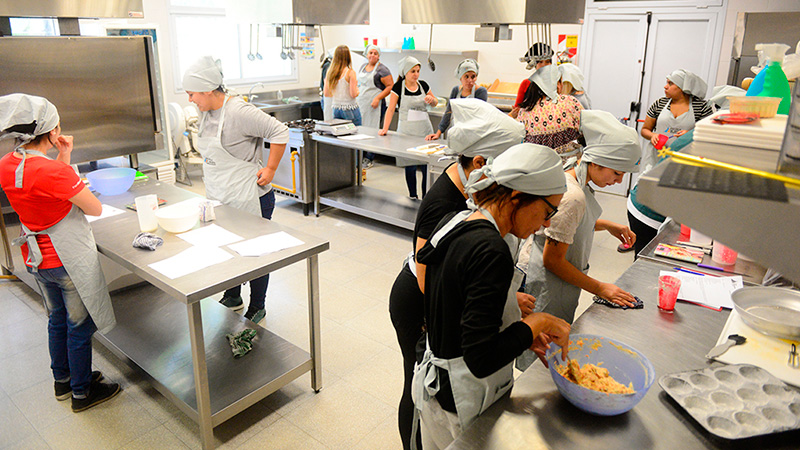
(662, 140)
(668, 288)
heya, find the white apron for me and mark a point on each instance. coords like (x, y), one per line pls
(472, 395)
(666, 124)
(413, 120)
(367, 91)
(74, 243)
(230, 180)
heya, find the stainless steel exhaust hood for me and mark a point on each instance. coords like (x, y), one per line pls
(495, 12)
(300, 12)
(72, 8)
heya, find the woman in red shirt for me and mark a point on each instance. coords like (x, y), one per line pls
(57, 244)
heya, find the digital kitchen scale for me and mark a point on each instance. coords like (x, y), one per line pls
(337, 127)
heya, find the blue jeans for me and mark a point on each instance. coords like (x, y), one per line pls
(258, 287)
(353, 115)
(70, 343)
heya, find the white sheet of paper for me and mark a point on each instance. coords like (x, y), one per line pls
(707, 290)
(414, 115)
(356, 137)
(108, 211)
(190, 260)
(265, 244)
(213, 235)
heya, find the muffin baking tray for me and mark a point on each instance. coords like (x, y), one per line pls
(735, 401)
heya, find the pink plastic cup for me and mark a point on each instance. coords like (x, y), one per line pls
(668, 288)
(723, 254)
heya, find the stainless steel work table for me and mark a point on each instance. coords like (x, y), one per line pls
(536, 416)
(190, 362)
(374, 203)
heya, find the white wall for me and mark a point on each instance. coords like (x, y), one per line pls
(497, 60)
(734, 8)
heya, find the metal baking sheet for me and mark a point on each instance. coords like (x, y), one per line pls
(735, 401)
(770, 310)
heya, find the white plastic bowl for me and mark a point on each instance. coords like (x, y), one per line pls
(178, 218)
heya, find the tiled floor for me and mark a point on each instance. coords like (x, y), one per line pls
(362, 379)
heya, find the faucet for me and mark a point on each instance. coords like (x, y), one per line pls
(250, 96)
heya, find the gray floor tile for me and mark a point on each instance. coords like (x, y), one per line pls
(14, 426)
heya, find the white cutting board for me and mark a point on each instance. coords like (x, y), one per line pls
(766, 133)
(769, 353)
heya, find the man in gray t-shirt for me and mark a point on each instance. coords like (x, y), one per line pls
(233, 170)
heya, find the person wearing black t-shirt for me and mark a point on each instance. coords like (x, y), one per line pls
(471, 342)
(446, 196)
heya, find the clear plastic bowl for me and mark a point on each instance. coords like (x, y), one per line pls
(765, 107)
(113, 181)
(178, 218)
(624, 363)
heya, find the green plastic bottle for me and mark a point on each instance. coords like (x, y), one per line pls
(775, 82)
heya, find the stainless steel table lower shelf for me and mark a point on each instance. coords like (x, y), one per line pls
(374, 203)
(152, 335)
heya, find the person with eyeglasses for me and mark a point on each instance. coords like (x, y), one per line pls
(473, 331)
(559, 255)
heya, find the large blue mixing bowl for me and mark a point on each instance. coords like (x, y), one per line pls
(112, 181)
(624, 363)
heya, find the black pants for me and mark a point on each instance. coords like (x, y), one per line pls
(411, 179)
(408, 317)
(644, 233)
(258, 287)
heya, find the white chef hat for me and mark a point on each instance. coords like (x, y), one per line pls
(689, 82)
(370, 47)
(720, 94)
(530, 168)
(408, 63)
(546, 78)
(24, 109)
(608, 142)
(467, 65)
(572, 74)
(205, 75)
(480, 129)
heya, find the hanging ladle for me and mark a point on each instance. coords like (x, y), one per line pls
(250, 55)
(258, 41)
(283, 42)
(430, 42)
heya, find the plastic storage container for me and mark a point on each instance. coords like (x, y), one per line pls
(765, 107)
(113, 181)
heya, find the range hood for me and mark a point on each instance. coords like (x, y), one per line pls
(119, 9)
(302, 12)
(495, 12)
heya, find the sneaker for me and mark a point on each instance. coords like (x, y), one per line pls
(98, 393)
(366, 163)
(623, 248)
(234, 303)
(64, 390)
(256, 315)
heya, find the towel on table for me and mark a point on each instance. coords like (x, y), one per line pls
(638, 305)
(242, 342)
(147, 241)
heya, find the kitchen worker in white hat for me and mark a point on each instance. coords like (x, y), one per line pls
(480, 132)
(471, 344)
(559, 255)
(231, 142)
(58, 246)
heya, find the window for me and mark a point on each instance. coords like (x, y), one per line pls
(199, 28)
(33, 27)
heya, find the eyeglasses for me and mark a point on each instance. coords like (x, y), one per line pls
(551, 213)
